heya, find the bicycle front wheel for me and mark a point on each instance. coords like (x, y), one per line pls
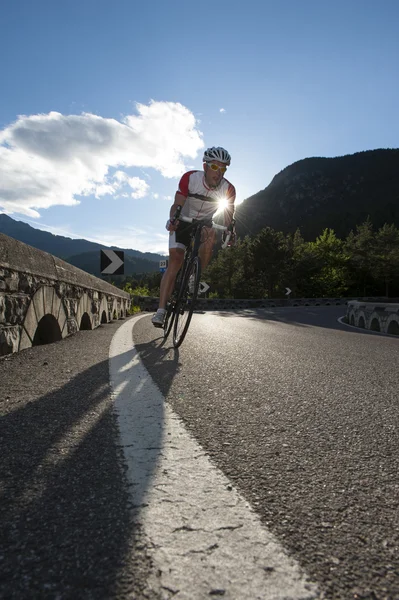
(170, 317)
(186, 301)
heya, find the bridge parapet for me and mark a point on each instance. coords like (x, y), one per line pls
(150, 303)
(376, 316)
(44, 299)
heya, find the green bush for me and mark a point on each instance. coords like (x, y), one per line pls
(141, 290)
(134, 309)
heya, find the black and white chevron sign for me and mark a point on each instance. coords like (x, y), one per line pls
(112, 262)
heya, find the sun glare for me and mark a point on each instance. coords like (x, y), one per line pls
(222, 204)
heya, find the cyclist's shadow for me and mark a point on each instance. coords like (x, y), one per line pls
(161, 360)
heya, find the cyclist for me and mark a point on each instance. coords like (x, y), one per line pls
(201, 194)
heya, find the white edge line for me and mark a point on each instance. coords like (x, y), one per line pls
(202, 535)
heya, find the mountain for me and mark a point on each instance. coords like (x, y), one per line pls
(90, 262)
(311, 194)
(315, 193)
(80, 252)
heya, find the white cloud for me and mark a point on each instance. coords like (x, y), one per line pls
(117, 184)
(222, 110)
(50, 159)
(139, 186)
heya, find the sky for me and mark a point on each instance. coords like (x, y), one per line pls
(105, 104)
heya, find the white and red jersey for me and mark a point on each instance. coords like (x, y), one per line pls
(201, 201)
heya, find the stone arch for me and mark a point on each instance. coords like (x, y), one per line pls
(47, 331)
(103, 310)
(125, 305)
(114, 309)
(47, 310)
(84, 308)
(392, 324)
(85, 322)
(361, 320)
(351, 318)
(375, 324)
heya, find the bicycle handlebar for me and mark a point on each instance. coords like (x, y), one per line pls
(213, 225)
(179, 217)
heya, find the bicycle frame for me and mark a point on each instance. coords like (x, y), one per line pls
(179, 301)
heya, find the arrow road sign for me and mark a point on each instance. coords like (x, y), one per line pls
(288, 292)
(203, 287)
(112, 262)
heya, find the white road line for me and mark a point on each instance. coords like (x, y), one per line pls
(204, 538)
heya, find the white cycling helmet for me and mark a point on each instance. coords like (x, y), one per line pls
(219, 154)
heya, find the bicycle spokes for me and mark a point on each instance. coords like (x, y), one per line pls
(186, 301)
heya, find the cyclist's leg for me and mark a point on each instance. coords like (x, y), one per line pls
(206, 248)
(186, 300)
(177, 247)
(178, 241)
(176, 258)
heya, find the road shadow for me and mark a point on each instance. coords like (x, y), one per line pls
(67, 526)
(323, 316)
(158, 355)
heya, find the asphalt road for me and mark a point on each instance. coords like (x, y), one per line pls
(66, 527)
(302, 414)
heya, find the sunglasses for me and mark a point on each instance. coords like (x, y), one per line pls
(217, 168)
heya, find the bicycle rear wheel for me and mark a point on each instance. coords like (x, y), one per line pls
(186, 301)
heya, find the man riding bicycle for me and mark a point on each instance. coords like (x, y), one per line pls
(200, 194)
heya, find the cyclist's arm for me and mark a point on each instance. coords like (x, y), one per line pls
(229, 210)
(172, 224)
(179, 201)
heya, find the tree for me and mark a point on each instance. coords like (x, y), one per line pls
(330, 251)
(270, 253)
(360, 247)
(224, 272)
(386, 257)
(303, 269)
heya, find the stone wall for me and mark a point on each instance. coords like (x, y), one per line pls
(376, 316)
(44, 298)
(150, 303)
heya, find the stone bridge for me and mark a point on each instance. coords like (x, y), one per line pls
(377, 316)
(43, 299)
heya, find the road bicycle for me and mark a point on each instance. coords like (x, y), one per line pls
(180, 307)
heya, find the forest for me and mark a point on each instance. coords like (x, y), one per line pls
(365, 263)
